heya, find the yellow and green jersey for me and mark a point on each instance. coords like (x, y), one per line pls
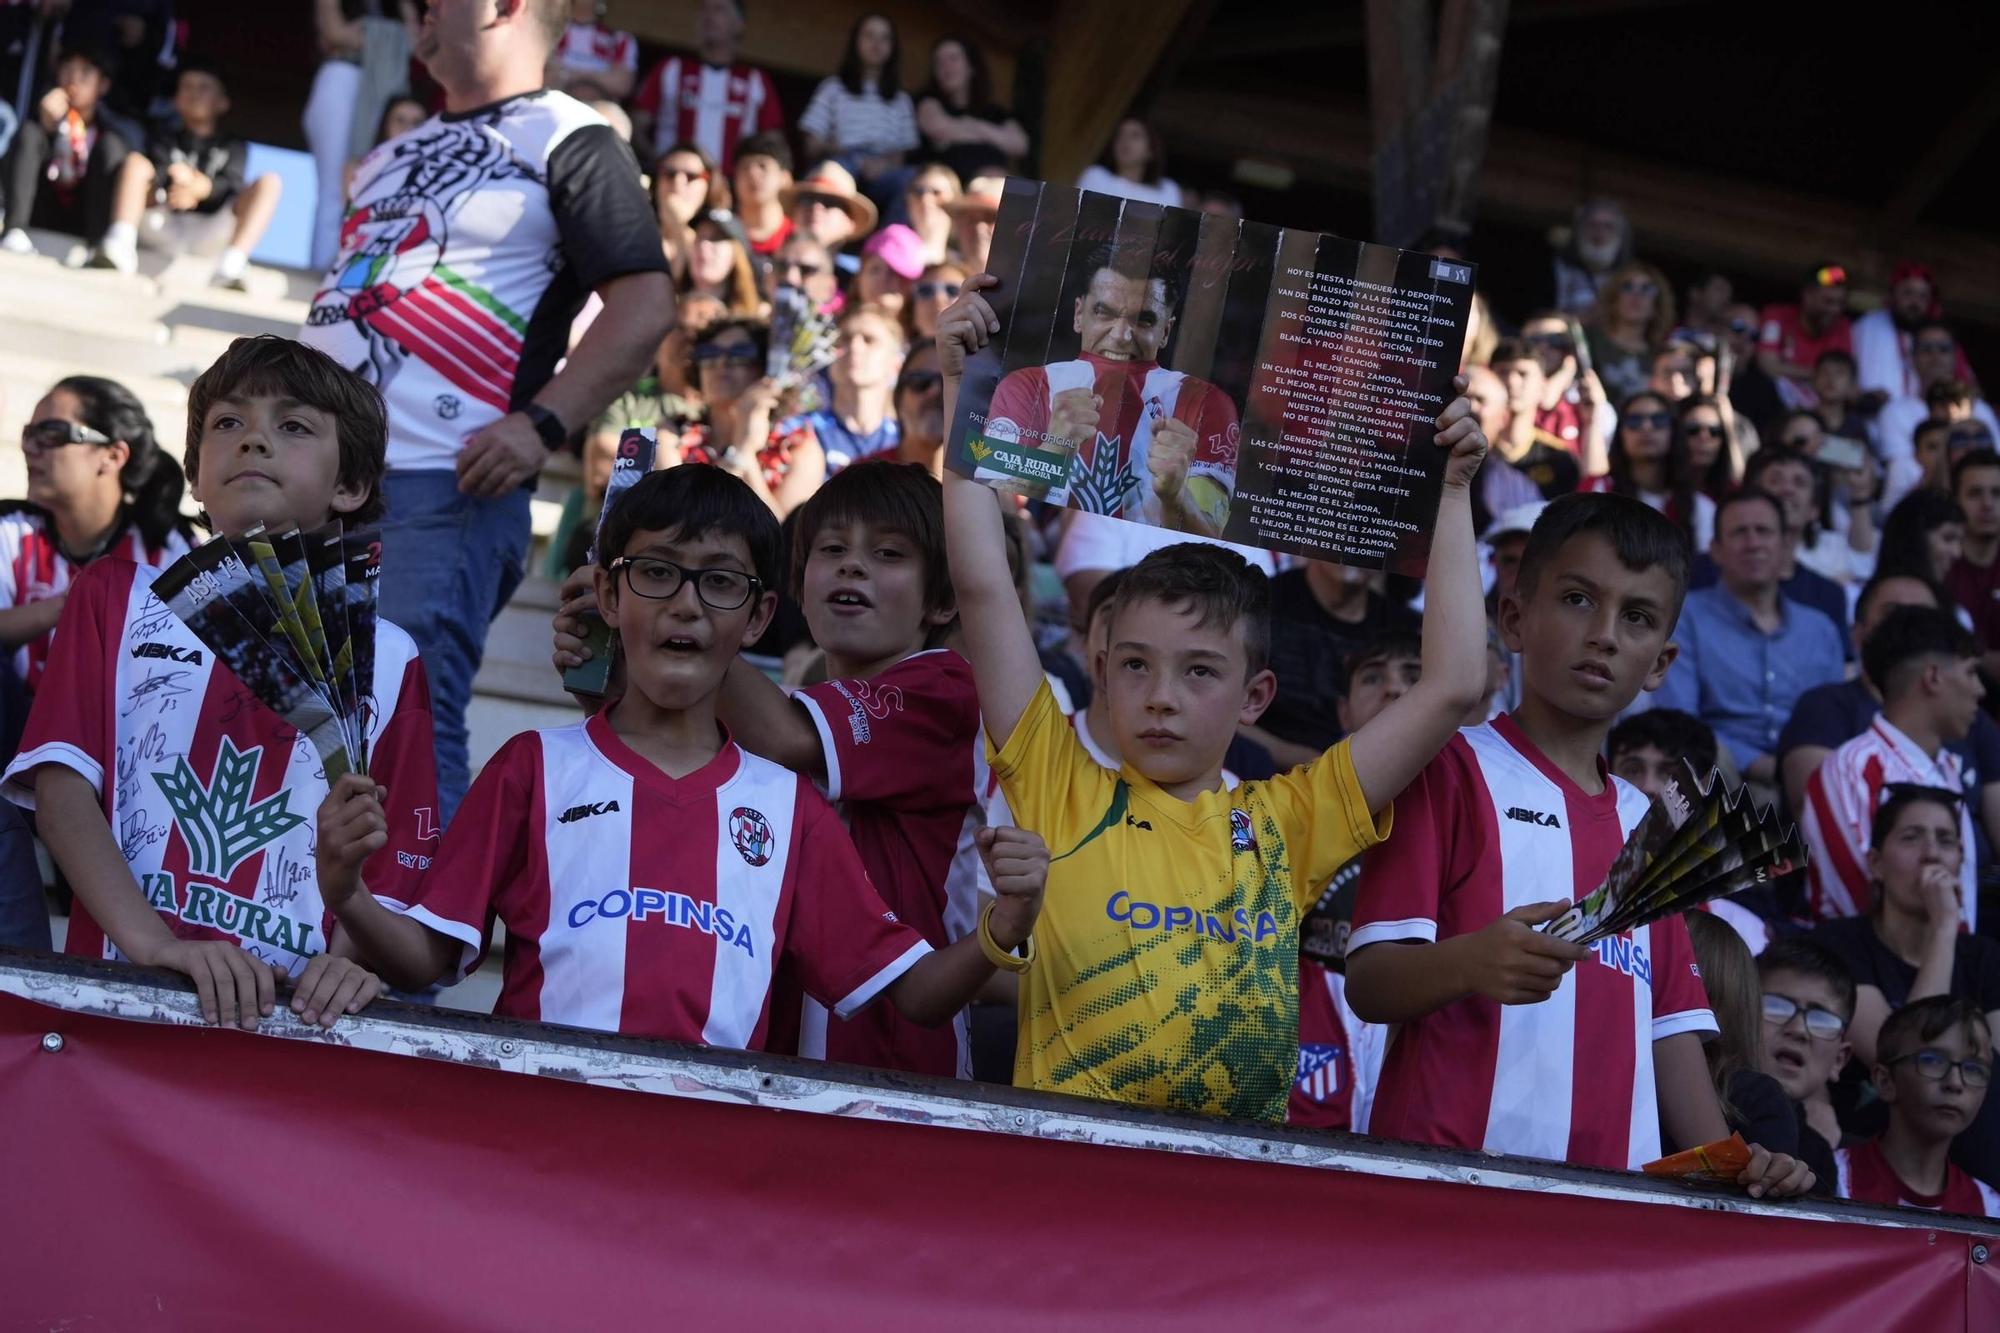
(1167, 953)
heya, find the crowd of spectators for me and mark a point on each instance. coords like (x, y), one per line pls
(1833, 473)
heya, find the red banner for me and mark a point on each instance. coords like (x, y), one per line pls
(173, 1177)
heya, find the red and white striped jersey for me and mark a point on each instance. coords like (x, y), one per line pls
(1865, 1174)
(1841, 797)
(211, 796)
(1491, 825)
(707, 105)
(34, 569)
(899, 767)
(661, 907)
(592, 48)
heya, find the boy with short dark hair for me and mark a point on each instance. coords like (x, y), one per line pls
(1808, 1002)
(1926, 668)
(1340, 1056)
(1512, 1040)
(1648, 748)
(1167, 973)
(651, 872)
(223, 889)
(190, 188)
(1933, 1063)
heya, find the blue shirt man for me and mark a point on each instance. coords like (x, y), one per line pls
(1746, 651)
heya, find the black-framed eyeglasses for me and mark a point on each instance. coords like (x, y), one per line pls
(719, 589)
(1934, 1064)
(739, 354)
(1704, 428)
(803, 270)
(39, 437)
(930, 291)
(918, 381)
(1657, 420)
(1822, 1024)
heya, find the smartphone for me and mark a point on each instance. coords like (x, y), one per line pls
(1581, 343)
(1839, 451)
(633, 461)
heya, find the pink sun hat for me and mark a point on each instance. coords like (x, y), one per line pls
(901, 249)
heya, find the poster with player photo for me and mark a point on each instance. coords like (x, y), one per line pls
(1265, 385)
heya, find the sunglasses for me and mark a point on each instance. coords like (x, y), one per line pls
(930, 291)
(736, 354)
(677, 176)
(1559, 342)
(1657, 420)
(803, 270)
(1934, 1064)
(919, 381)
(1937, 346)
(1800, 442)
(39, 437)
(1822, 1024)
(652, 577)
(1703, 429)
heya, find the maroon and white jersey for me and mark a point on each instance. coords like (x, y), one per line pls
(210, 795)
(707, 105)
(1488, 826)
(34, 569)
(1841, 797)
(661, 907)
(1108, 473)
(1865, 1174)
(900, 766)
(592, 48)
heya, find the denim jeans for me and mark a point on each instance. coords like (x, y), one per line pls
(450, 561)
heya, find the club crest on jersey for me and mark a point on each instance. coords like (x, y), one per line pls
(1241, 839)
(1319, 1071)
(220, 826)
(751, 833)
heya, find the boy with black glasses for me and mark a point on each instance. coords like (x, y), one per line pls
(1808, 1003)
(1933, 1063)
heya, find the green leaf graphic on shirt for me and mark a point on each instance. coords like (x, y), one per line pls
(1104, 482)
(222, 829)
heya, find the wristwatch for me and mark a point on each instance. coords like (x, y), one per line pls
(547, 425)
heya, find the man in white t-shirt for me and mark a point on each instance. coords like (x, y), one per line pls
(471, 243)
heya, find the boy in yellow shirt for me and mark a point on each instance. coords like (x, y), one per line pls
(1165, 967)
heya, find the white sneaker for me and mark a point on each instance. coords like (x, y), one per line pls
(16, 242)
(123, 259)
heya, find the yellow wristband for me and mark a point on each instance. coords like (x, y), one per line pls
(999, 957)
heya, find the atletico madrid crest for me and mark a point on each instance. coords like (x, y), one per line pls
(751, 833)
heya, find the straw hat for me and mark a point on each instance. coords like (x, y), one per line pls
(981, 198)
(834, 183)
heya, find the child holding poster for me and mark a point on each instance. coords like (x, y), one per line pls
(178, 805)
(1166, 967)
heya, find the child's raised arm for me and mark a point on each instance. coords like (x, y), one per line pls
(998, 643)
(1395, 745)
